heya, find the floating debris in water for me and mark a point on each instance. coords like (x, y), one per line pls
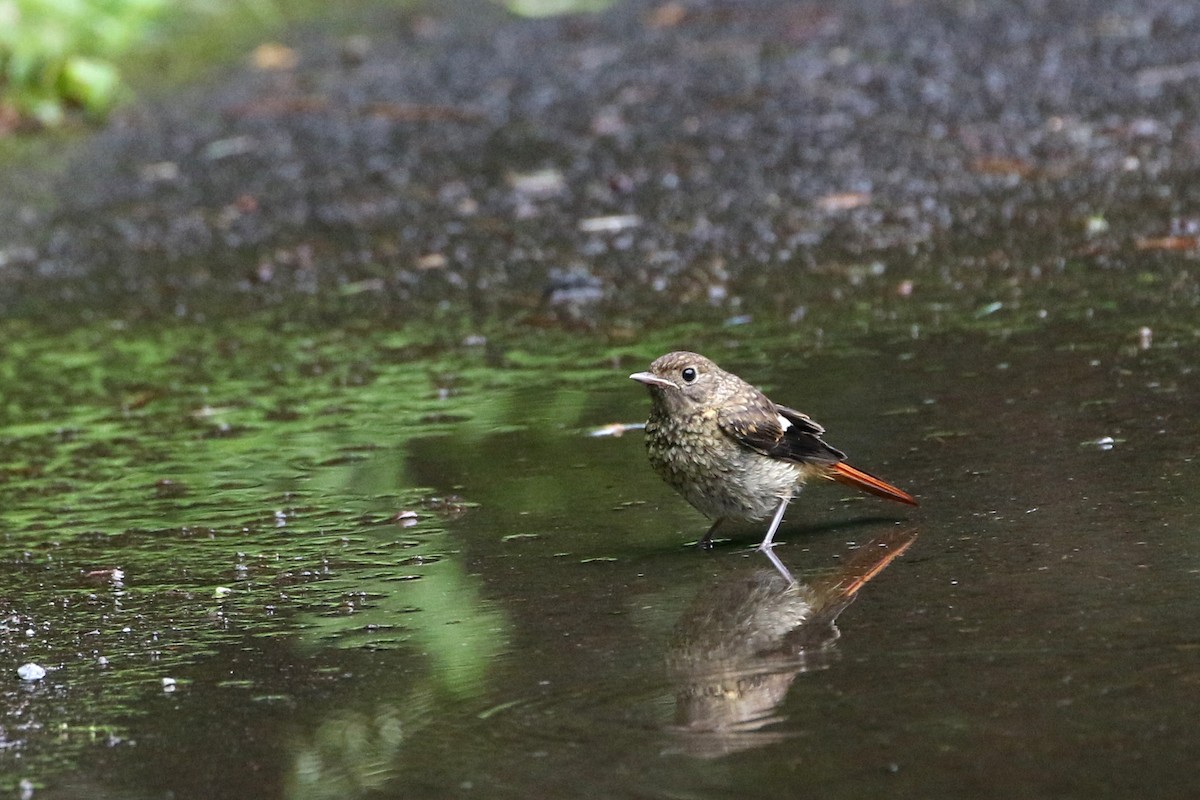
(405, 519)
(617, 428)
(31, 672)
(112, 575)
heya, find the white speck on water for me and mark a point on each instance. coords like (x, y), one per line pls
(31, 672)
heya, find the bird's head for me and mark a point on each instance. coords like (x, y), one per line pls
(682, 381)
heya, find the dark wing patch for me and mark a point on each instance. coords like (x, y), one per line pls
(804, 437)
(759, 424)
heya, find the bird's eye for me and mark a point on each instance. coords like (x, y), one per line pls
(688, 374)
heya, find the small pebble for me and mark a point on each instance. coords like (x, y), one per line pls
(31, 672)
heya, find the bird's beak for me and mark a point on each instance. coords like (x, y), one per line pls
(652, 380)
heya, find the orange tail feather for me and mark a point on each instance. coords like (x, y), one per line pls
(844, 473)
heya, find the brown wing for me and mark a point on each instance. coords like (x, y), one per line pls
(787, 434)
(777, 431)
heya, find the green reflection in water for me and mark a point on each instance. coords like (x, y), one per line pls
(170, 492)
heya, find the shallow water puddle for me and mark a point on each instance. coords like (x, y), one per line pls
(352, 570)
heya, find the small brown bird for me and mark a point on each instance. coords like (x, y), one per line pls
(730, 451)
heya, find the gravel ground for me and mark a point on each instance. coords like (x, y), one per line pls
(643, 163)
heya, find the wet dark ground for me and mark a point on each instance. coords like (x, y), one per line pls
(298, 496)
(767, 158)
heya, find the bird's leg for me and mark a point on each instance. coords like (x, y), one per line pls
(774, 559)
(766, 542)
(706, 543)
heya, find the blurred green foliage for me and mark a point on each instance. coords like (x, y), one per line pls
(549, 8)
(60, 54)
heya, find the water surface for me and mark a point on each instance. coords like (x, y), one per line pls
(279, 562)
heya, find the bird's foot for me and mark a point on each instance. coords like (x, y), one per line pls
(707, 542)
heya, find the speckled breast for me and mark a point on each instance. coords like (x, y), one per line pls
(718, 476)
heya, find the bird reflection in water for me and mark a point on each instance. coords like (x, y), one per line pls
(737, 649)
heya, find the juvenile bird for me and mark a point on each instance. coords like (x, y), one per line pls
(730, 451)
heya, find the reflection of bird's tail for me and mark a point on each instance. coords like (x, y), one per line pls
(834, 590)
(844, 473)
